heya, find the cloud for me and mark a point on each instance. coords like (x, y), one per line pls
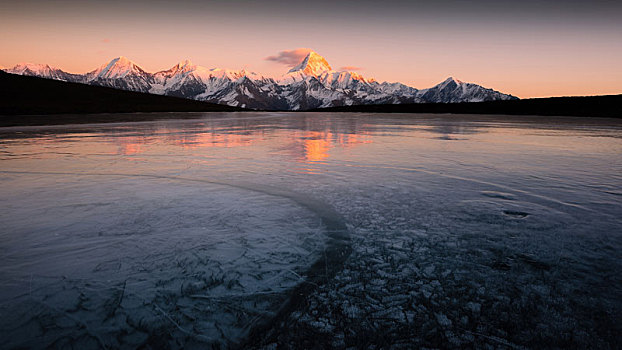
(106, 41)
(290, 57)
(350, 68)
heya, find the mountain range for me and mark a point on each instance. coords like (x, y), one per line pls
(310, 84)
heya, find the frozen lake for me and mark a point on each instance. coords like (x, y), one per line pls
(303, 229)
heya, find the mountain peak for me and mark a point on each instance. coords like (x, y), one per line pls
(117, 68)
(449, 82)
(23, 67)
(451, 79)
(185, 63)
(33, 65)
(313, 64)
(184, 66)
(121, 61)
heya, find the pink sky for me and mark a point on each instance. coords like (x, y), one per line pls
(525, 56)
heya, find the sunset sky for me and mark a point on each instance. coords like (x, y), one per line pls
(525, 48)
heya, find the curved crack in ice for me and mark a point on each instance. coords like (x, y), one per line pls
(337, 249)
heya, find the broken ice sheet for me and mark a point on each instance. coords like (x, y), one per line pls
(119, 260)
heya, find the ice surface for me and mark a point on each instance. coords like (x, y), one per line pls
(470, 231)
(108, 254)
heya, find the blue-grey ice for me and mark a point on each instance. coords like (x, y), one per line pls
(462, 231)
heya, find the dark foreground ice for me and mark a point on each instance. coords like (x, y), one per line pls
(313, 230)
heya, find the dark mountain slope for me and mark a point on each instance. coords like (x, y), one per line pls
(25, 95)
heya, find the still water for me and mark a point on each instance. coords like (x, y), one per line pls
(301, 229)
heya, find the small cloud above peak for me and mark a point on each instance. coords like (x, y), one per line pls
(350, 68)
(290, 58)
(106, 40)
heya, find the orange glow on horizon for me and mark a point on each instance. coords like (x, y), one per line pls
(508, 52)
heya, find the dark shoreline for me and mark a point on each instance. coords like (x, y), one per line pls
(33, 101)
(608, 106)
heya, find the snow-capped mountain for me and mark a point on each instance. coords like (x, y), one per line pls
(313, 84)
(310, 84)
(312, 65)
(236, 88)
(44, 71)
(121, 73)
(453, 90)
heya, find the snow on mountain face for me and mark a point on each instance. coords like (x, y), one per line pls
(452, 90)
(313, 64)
(121, 73)
(237, 88)
(310, 84)
(44, 71)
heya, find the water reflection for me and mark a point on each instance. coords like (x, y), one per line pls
(130, 146)
(203, 140)
(304, 139)
(454, 131)
(316, 146)
(300, 137)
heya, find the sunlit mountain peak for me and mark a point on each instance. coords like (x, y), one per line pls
(43, 71)
(185, 63)
(122, 60)
(117, 68)
(22, 67)
(313, 64)
(451, 80)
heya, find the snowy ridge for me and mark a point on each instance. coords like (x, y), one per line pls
(119, 67)
(453, 90)
(310, 84)
(121, 73)
(44, 71)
